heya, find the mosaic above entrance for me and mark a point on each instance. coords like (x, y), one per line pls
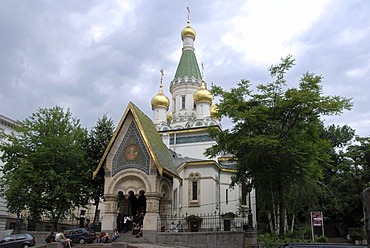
(132, 152)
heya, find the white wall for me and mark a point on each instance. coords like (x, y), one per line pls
(6, 126)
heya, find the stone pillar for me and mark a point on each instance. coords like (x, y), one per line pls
(151, 217)
(165, 210)
(250, 238)
(165, 206)
(110, 213)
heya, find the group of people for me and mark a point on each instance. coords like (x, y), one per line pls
(137, 224)
(176, 228)
(134, 223)
(59, 237)
(104, 237)
(129, 222)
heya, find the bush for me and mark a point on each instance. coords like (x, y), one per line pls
(357, 234)
(270, 240)
(321, 239)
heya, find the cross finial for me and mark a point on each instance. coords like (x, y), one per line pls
(162, 73)
(202, 70)
(188, 14)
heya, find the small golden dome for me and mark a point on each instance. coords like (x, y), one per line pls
(160, 100)
(203, 95)
(169, 116)
(188, 31)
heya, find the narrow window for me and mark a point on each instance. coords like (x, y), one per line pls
(195, 190)
(183, 102)
(175, 200)
(227, 196)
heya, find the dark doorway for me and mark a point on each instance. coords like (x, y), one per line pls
(133, 203)
(194, 226)
(142, 202)
(227, 225)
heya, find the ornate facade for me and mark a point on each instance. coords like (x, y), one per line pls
(158, 166)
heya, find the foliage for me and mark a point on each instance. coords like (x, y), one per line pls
(321, 239)
(98, 140)
(278, 133)
(357, 234)
(346, 176)
(269, 240)
(45, 168)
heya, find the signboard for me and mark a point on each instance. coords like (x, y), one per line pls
(317, 219)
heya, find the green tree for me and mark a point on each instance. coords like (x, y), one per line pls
(339, 137)
(276, 139)
(45, 168)
(99, 137)
(349, 177)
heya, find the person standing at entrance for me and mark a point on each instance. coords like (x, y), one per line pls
(179, 226)
(173, 228)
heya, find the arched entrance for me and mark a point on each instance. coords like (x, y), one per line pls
(131, 203)
(131, 206)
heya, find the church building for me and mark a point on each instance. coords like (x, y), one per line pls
(157, 166)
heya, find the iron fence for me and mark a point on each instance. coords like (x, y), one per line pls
(202, 223)
(44, 224)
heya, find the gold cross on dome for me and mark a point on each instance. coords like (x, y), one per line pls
(188, 14)
(162, 73)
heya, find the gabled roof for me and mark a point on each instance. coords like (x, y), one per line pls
(188, 65)
(152, 139)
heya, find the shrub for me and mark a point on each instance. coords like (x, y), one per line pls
(321, 239)
(270, 240)
(357, 234)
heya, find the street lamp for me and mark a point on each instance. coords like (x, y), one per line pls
(250, 216)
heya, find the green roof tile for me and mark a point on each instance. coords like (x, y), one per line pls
(155, 141)
(188, 65)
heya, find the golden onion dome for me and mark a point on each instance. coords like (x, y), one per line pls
(169, 116)
(203, 95)
(188, 31)
(160, 100)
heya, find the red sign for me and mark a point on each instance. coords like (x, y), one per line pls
(317, 219)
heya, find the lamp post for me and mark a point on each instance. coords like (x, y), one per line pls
(250, 216)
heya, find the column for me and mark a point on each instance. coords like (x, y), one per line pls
(110, 213)
(151, 217)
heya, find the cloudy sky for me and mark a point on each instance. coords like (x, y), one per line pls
(93, 57)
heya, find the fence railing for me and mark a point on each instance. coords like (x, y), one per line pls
(44, 224)
(202, 223)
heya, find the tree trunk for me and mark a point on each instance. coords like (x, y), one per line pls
(292, 227)
(275, 214)
(55, 225)
(272, 227)
(286, 222)
(96, 215)
(277, 218)
(281, 210)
